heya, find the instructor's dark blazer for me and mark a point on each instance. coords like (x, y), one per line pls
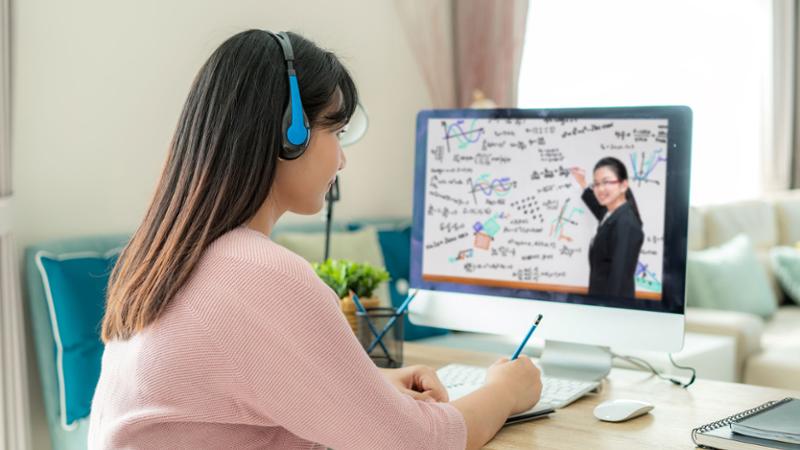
(614, 251)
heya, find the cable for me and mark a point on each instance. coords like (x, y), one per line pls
(639, 362)
(694, 372)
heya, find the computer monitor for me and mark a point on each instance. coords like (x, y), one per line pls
(503, 229)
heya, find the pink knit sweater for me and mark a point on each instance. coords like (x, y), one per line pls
(253, 352)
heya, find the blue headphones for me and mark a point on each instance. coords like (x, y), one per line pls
(295, 129)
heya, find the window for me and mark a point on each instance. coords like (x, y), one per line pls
(712, 55)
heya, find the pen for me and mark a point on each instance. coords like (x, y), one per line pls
(400, 311)
(528, 336)
(363, 311)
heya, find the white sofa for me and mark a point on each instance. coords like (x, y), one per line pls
(767, 352)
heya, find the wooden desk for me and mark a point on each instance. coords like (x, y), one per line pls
(667, 426)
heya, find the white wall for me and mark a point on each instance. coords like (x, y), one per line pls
(98, 86)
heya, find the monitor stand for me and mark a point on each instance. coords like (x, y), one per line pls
(575, 361)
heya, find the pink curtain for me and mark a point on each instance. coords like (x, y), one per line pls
(466, 45)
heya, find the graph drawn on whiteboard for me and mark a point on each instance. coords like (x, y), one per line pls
(503, 208)
(644, 165)
(566, 217)
(488, 186)
(463, 137)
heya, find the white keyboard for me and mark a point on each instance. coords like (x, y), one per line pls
(460, 380)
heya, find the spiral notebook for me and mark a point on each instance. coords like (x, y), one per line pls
(719, 434)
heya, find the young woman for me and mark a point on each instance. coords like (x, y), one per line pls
(614, 251)
(216, 337)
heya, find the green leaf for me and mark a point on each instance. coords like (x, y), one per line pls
(343, 276)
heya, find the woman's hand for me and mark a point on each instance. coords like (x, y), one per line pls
(420, 382)
(520, 378)
(580, 176)
(511, 387)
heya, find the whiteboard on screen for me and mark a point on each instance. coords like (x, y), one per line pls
(502, 207)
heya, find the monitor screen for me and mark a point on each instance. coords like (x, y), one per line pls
(584, 206)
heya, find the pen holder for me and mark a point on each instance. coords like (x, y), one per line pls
(388, 352)
(349, 309)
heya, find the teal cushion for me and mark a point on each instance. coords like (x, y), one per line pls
(75, 288)
(396, 248)
(729, 277)
(786, 266)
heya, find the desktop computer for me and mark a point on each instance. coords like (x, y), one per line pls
(577, 214)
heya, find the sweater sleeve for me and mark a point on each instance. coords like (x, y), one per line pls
(302, 368)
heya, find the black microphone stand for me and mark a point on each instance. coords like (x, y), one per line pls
(331, 197)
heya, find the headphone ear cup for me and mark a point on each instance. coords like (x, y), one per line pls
(292, 151)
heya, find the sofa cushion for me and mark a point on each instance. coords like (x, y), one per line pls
(779, 368)
(754, 218)
(697, 229)
(779, 364)
(729, 277)
(763, 256)
(746, 329)
(786, 266)
(75, 287)
(783, 331)
(787, 212)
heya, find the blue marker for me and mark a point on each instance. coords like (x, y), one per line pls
(528, 336)
(400, 311)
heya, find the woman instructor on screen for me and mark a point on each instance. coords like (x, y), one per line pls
(614, 251)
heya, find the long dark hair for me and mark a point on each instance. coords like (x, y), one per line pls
(621, 172)
(220, 167)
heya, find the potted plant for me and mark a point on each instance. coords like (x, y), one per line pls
(346, 277)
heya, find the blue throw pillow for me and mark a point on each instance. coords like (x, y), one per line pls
(396, 248)
(75, 288)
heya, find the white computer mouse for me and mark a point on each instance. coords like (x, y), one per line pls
(621, 410)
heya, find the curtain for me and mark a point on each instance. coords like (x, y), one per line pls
(792, 14)
(489, 37)
(14, 424)
(467, 46)
(780, 119)
(428, 26)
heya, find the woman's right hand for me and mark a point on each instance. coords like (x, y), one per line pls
(520, 378)
(511, 387)
(580, 176)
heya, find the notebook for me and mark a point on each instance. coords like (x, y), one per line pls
(779, 423)
(720, 435)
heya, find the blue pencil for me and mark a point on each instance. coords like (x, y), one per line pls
(400, 311)
(363, 310)
(528, 336)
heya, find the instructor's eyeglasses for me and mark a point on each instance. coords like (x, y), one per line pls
(604, 184)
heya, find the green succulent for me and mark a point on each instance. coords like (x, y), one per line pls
(344, 276)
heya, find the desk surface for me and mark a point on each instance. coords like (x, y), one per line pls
(668, 425)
